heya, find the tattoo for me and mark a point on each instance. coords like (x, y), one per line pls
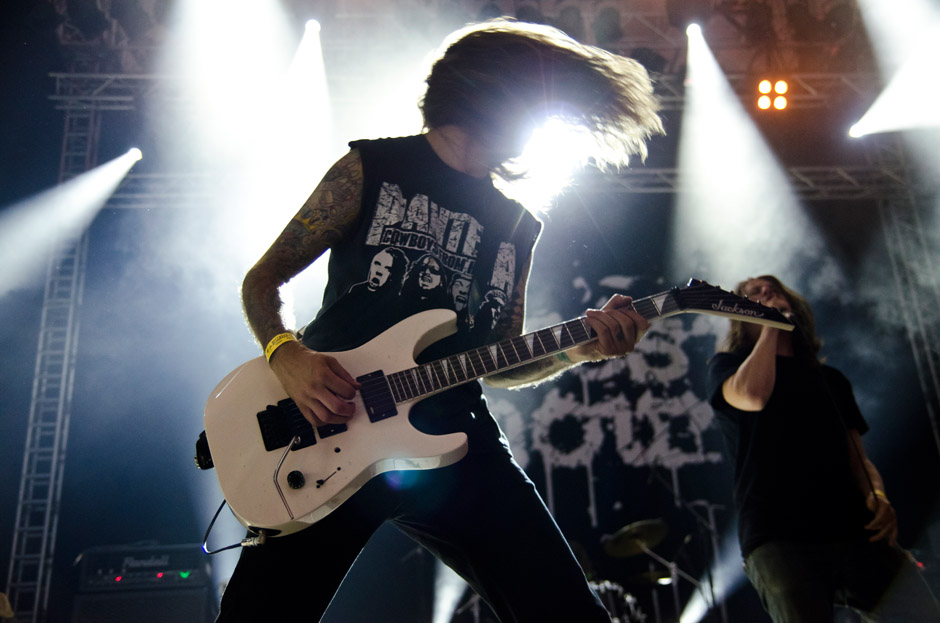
(334, 205)
(324, 220)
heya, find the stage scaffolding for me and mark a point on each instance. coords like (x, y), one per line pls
(87, 97)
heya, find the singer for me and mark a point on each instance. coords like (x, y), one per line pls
(815, 528)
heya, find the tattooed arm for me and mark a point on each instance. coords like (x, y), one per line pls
(317, 383)
(618, 326)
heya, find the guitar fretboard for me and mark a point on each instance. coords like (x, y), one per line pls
(436, 376)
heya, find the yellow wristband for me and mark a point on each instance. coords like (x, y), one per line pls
(277, 341)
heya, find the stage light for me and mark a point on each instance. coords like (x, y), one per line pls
(312, 25)
(694, 30)
(772, 94)
(135, 154)
(556, 150)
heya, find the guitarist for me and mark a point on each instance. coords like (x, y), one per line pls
(816, 528)
(431, 199)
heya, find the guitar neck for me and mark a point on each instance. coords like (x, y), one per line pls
(441, 374)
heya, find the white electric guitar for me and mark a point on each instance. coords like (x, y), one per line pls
(279, 474)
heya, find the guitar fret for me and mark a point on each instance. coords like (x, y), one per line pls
(519, 344)
(411, 382)
(418, 381)
(426, 384)
(396, 387)
(476, 364)
(456, 364)
(529, 342)
(439, 374)
(399, 388)
(512, 355)
(564, 338)
(420, 387)
(576, 331)
(486, 359)
(545, 335)
(441, 366)
(646, 308)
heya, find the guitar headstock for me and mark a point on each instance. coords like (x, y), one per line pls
(702, 297)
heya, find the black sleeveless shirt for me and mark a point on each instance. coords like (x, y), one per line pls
(428, 236)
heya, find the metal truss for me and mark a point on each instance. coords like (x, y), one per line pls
(916, 267)
(876, 181)
(37, 509)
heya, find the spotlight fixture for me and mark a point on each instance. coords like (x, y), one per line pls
(772, 94)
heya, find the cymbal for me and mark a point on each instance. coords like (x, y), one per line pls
(633, 538)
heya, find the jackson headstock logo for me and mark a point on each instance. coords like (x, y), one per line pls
(736, 309)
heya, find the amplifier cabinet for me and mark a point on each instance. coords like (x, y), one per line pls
(144, 583)
(178, 605)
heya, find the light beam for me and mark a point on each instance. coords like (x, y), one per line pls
(31, 230)
(736, 214)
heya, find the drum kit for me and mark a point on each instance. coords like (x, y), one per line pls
(632, 540)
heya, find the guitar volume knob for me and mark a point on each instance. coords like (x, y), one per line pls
(296, 480)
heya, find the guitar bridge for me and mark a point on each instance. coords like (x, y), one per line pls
(282, 422)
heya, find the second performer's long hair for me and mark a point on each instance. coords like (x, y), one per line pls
(500, 75)
(806, 343)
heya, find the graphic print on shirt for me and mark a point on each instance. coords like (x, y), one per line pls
(428, 255)
(498, 288)
(386, 273)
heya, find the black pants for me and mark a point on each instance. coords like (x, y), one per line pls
(481, 516)
(803, 582)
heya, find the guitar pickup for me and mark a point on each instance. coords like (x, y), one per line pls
(282, 422)
(377, 396)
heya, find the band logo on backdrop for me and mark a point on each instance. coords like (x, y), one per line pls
(644, 405)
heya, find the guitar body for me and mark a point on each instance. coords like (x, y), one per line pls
(337, 465)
